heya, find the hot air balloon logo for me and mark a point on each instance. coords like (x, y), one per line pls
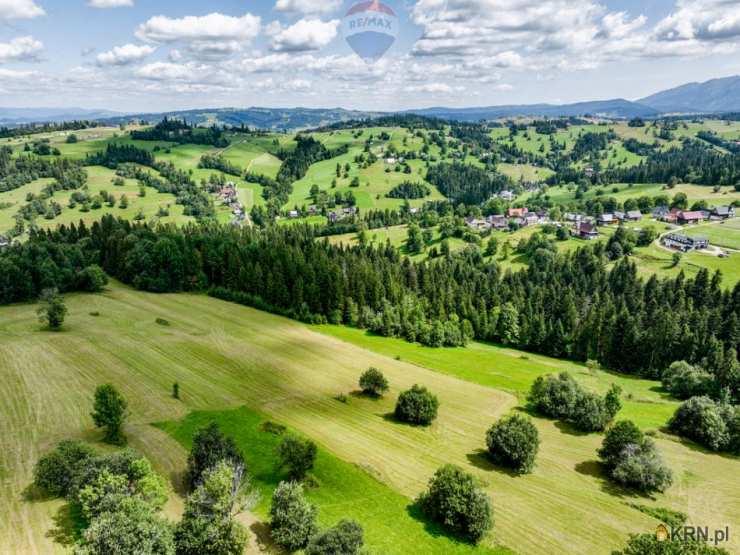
(370, 28)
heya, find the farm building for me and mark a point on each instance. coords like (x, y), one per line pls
(689, 217)
(634, 215)
(723, 212)
(585, 231)
(684, 243)
(606, 219)
(517, 212)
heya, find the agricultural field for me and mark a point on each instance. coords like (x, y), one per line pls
(241, 367)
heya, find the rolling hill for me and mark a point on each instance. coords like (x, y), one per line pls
(717, 95)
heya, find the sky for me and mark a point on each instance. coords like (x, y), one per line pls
(156, 55)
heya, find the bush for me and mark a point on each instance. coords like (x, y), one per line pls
(373, 382)
(684, 381)
(292, 518)
(632, 459)
(712, 424)
(618, 437)
(297, 455)
(55, 471)
(454, 500)
(641, 467)
(52, 310)
(417, 406)
(210, 447)
(513, 442)
(109, 412)
(132, 527)
(92, 279)
(346, 538)
(561, 397)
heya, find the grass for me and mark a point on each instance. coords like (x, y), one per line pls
(99, 179)
(343, 490)
(226, 356)
(722, 234)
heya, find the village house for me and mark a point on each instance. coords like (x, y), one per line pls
(477, 224)
(517, 212)
(723, 212)
(683, 243)
(498, 222)
(508, 196)
(634, 215)
(585, 231)
(620, 216)
(571, 217)
(660, 212)
(293, 214)
(606, 219)
(4, 242)
(690, 217)
(531, 219)
(313, 210)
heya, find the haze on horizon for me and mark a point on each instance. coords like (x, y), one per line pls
(137, 56)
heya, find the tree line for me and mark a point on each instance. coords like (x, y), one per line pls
(570, 305)
(181, 132)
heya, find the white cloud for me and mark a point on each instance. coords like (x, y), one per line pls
(110, 3)
(306, 34)
(164, 71)
(20, 49)
(124, 55)
(20, 9)
(308, 7)
(208, 28)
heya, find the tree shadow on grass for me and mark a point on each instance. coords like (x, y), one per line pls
(568, 428)
(432, 528)
(261, 531)
(596, 470)
(68, 526)
(480, 459)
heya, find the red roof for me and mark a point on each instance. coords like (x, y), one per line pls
(691, 215)
(518, 212)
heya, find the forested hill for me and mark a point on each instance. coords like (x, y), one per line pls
(568, 305)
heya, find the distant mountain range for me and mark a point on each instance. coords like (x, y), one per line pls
(18, 116)
(715, 96)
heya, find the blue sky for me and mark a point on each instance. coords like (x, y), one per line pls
(147, 55)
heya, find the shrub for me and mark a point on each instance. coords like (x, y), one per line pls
(109, 412)
(52, 310)
(210, 447)
(454, 500)
(373, 382)
(683, 380)
(561, 397)
(55, 471)
(712, 424)
(297, 455)
(554, 396)
(632, 459)
(92, 279)
(346, 538)
(132, 527)
(618, 437)
(292, 518)
(641, 467)
(417, 406)
(513, 442)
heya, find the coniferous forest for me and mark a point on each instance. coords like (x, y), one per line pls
(567, 305)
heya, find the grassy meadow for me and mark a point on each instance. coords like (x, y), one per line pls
(226, 357)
